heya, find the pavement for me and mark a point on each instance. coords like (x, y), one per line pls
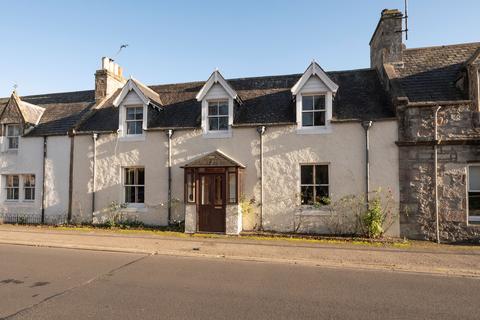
(424, 258)
(54, 283)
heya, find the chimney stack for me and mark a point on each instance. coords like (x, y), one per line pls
(108, 79)
(386, 45)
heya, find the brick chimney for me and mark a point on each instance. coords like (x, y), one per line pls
(108, 79)
(386, 44)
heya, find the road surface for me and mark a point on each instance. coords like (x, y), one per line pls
(48, 283)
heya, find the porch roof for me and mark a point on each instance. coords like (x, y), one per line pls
(214, 159)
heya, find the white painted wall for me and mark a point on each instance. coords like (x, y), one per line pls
(284, 151)
(57, 171)
(29, 160)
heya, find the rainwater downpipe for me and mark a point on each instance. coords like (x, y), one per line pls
(43, 176)
(70, 176)
(261, 131)
(435, 146)
(94, 165)
(367, 125)
(169, 164)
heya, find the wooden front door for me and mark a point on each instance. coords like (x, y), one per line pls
(212, 202)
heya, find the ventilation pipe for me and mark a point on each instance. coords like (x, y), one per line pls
(169, 164)
(367, 125)
(261, 131)
(94, 187)
(435, 146)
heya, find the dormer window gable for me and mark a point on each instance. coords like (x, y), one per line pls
(217, 98)
(314, 93)
(133, 102)
(17, 118)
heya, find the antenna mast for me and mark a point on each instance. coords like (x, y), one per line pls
(406, 20)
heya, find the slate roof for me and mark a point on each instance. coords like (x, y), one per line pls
(264, 100)
(62, 110)
(429, 74)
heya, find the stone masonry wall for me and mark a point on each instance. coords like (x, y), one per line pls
(457, 135)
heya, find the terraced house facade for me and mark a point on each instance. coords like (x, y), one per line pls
(196, 151)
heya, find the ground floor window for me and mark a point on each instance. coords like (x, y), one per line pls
(29, 187)
(314, 183)
(13, 187)
(19, 187)
(474, 193)
(134, 185)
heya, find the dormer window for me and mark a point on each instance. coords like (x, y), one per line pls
(314, 93)
(13, 135)
(313, 110)
(133, 102)
(217, 98)
(134, 120)
(218, 115)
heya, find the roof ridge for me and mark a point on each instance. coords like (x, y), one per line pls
(445, 46)
(259, 77)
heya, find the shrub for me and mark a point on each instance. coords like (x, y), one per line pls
(351, 215)
(373, 219)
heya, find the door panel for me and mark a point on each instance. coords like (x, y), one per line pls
(212, 205)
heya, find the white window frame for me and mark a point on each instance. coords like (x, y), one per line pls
(217, 116)
(135, 185)
(7, 188)
(127, 121)
(313, 111)
(9, 137)
(32, 188)
(300, 185)
(471, 219)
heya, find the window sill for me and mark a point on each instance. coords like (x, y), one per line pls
(11, 151)
(217, 134)
(312, 211)
(133, 137)
(474, 221)
(135, 207)
(314, 130)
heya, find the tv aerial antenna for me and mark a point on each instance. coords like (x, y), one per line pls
(123, 46)
(405, 18)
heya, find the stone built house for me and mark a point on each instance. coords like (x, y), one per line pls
(192, 151)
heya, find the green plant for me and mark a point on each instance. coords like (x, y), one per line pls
(373, 219)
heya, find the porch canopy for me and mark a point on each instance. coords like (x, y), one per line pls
(214, 159)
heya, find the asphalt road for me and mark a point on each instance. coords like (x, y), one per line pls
(46, 283)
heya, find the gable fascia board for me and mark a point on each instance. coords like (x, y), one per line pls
(314, 69)
(16, 102)
(129, 86)
(216, 77)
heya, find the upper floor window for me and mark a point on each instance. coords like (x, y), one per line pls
(13, 187)
(134, 120)
(134, 185)
(314, 184)
(13, 134)
(313, 110)
(218, 115)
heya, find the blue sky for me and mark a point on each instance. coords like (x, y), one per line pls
(55, 46)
